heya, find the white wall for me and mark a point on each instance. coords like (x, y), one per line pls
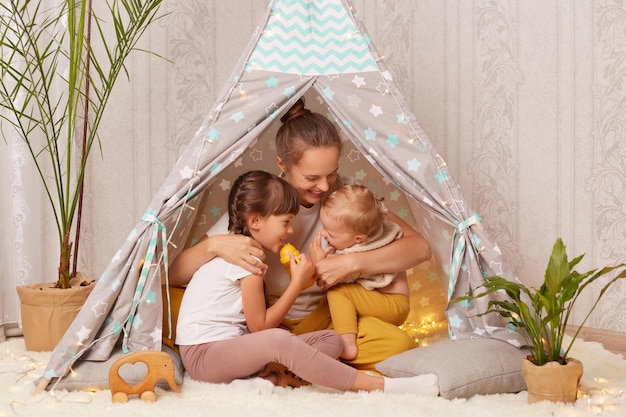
(522, 99)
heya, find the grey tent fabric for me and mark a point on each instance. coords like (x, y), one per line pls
(303, 47)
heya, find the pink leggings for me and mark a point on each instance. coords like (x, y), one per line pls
(311, 356)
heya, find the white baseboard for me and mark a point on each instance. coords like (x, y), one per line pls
(11, 329)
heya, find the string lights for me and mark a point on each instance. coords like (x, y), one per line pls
(601, 397)
(427, 331)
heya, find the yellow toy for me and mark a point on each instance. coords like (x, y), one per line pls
(160, 366)
(284, 259)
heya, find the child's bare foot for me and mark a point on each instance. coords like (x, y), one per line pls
(350, 349)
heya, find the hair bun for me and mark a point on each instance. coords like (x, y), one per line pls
(295, 111)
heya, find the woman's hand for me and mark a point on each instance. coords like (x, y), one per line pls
(336, 268)
(239, 250)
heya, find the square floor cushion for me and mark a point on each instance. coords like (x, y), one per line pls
(464, 367)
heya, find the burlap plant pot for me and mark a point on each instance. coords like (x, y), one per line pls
(552, 381)
(47, 312)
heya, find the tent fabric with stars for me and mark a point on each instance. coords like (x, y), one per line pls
(320, 50)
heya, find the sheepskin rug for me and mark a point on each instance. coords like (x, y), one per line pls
(602, 392)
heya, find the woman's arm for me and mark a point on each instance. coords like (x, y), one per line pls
(258, 317)
(400, 255)
(237, 249)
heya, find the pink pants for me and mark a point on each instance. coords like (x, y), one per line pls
(311, 356)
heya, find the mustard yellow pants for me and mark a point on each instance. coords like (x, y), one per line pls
(377, 340)
(347, 302)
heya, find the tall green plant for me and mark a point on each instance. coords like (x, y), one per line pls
(57, 79)
(541, 315)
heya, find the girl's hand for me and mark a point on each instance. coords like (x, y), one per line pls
(239, 250)
(302, 271)
(316, 252)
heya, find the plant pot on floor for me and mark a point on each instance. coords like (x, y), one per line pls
(552, 381)
(47, 312)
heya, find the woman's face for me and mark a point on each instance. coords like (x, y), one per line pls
(314, 173)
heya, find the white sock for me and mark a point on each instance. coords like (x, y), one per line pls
(255, 383)
(425, 384)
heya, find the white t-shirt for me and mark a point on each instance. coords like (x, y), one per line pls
(305, 224)
(212, 307)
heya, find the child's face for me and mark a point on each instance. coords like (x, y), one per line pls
(272, 231)
(337, 234)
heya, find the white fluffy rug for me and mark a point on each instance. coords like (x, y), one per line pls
(603, 391)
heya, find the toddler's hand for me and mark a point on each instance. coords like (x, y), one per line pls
(316, 251)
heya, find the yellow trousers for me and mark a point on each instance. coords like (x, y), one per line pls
(376, 340)
(347, 302)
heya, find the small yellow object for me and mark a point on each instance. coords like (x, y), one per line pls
(284, 254)
(284, 259)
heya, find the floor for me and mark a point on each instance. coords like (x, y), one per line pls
(612, 341)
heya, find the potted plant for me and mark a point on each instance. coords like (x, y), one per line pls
(57, 77)
(542, 315)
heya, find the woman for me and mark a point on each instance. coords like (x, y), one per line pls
(225, 331)
(308, 148)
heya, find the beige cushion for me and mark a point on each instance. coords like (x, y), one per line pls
(464, 367)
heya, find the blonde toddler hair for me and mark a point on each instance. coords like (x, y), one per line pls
(356, 207)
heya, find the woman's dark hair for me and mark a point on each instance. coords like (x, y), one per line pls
(262, 193)
(301, 130)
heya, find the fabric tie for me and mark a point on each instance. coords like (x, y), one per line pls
(149, 216)
(458, 249)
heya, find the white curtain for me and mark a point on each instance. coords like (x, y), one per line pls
(28, 244)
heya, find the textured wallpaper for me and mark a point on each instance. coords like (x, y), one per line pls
(525, 100)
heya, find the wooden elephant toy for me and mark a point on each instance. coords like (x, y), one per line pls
(160, 366)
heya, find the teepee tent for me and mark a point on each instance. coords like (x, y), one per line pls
(313, 48)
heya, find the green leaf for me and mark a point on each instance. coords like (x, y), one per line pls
(541, 315)
(557, 270)
(46, 106)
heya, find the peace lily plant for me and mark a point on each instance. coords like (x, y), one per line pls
(542, 315)
(57, 76)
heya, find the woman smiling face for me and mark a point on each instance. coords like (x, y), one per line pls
(313, 174)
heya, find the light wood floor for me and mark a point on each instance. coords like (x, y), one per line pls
(612, 341)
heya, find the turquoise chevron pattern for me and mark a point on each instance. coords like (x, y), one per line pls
(312, 38)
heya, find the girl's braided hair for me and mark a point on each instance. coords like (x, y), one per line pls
(262, 193)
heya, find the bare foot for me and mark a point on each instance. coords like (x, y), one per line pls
(279, 375)
(350, 349)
